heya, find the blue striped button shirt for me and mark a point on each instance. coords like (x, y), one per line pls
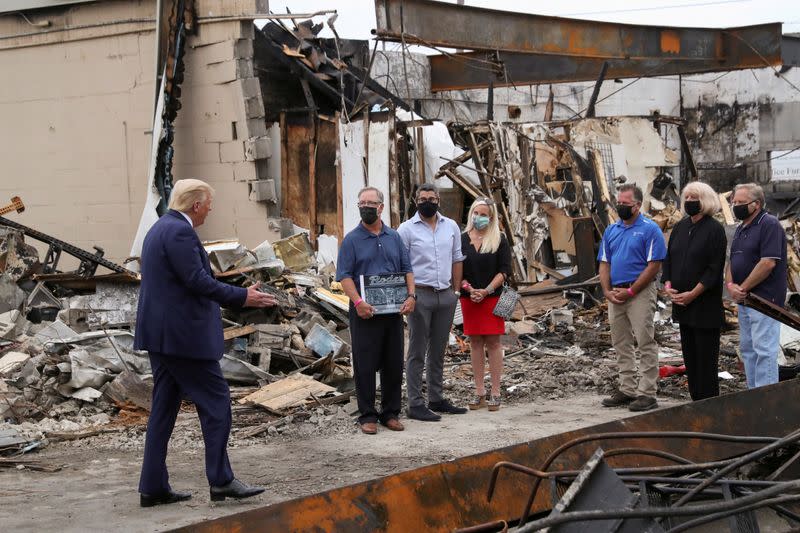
(432, 251)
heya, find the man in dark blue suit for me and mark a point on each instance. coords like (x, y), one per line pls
(179, 324)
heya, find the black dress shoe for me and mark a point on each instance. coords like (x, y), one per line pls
(420, 412)
(448, 408)
(234, 489)
(149, 500)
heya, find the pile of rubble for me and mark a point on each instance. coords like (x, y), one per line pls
(67, 364)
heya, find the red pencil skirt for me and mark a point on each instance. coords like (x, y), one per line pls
(478, 317)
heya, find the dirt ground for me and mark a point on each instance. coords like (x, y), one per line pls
(96, 488)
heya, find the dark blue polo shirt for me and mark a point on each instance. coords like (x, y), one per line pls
(762, 238)
(629, 248)
(363, 253)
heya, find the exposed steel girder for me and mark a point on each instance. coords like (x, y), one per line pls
(475, 70)
(427, 22)
(451, 495)
(565, 49)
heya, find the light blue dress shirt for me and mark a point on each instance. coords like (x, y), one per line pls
(432, 252)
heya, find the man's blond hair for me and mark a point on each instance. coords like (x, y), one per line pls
(186, 192)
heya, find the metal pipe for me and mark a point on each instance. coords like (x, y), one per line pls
(635, 434)
(792, 437)
(500, 526)
(783, 467)
(158, 67)
(773, 502)
(761, 499)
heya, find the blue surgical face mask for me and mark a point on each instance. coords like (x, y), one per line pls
(480, 221)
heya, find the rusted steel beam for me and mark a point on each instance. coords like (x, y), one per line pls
(436, 23)
(451, 495)
(773, 311)
(469, 70)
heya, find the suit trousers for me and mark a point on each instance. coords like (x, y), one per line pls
(377, 346)
(202, 381)
(700, 348)
(634, 320)
(429, 328)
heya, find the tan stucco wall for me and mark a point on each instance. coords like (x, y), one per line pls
(75, 121)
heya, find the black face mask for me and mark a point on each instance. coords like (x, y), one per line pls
(692, 207)
(368, 214)
(427, 209)
(625, 212)
(742, 211)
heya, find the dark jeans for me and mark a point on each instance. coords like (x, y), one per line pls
(377, 346)
(701, 356)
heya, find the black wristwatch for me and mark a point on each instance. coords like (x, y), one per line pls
(411, 295)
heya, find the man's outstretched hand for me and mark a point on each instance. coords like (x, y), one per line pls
(256, 298)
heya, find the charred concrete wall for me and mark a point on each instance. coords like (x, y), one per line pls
(77, 108)
(736, 120)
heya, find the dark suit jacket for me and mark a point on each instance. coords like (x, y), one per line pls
(179, 298)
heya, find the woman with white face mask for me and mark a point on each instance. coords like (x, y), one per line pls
(486, 267)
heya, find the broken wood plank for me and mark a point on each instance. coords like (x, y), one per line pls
(340, 301)
(533, 291)
(290, 391)
(463, 158)
(233, 332)
(555, 274)
(726, 209)
(464, 183)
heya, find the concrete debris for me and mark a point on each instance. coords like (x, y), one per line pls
(323, 342)
(12, 361)
(18, 260)
(11, 296)
(224, 255)
(296, 252)
(11, 323)
(112, 305)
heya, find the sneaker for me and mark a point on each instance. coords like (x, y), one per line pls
(420, 412)
(643, 403)
(617, 399)
(448, 408)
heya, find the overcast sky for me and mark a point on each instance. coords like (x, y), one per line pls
(357, 17)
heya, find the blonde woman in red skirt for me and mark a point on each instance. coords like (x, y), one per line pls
(486, 267)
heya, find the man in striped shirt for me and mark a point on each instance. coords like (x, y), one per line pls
(630, 258)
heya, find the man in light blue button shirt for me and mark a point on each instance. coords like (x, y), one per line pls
(434, 247)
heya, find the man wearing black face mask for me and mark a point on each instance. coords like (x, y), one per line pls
(630, 257)
(758, 265)
(377, 339)
(434, 247)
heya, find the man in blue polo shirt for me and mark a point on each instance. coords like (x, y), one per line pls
(373, 248)
(757, 265)
(630, 258)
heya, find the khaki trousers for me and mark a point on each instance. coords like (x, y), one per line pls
(634, 319)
